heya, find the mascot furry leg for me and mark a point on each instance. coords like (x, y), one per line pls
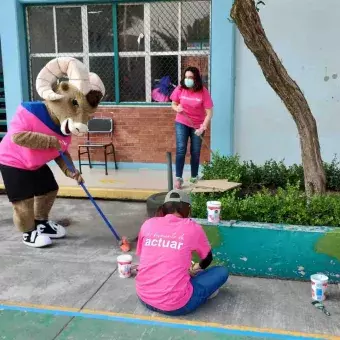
(38, 131)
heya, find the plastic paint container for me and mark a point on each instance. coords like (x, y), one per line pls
(319, 286)
(124, 266)
(214, 211)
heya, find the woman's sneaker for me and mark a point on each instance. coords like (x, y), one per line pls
(36, 240)
(193, 180)
(213, 294)
(178, 183)
(50, 229)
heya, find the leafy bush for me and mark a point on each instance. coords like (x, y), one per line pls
(332, 171)
(288, 206)
(271, 174)
(272, 193)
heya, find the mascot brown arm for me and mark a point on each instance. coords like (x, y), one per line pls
(36, 140)
(62, 165)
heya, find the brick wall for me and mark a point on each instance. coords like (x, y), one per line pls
(142, 134)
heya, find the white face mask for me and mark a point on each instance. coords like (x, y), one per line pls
(189, 82)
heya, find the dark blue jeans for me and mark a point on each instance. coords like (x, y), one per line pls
(205, 283)
(183, 133)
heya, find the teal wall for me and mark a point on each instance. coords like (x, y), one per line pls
(14, 50)
(222, 77)
(280, 251)
(13, 43)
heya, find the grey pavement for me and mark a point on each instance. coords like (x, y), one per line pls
(80, 272)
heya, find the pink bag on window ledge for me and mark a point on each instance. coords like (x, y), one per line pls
(159, 97)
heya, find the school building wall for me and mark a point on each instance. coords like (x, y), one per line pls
(304, 34)
(249, 118)
(143, 133)
(13, 33)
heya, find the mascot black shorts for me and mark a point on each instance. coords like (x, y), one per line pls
(24, 184)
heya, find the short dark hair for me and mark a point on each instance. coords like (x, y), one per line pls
(176, 207)
(198, 84)
(167, 208)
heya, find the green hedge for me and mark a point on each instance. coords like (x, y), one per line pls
(270, 175)
(269, 195)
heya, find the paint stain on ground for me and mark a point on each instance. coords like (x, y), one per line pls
(329, 244)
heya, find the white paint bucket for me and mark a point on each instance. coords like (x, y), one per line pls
(319, 286)
(214, 211)
(124, 266)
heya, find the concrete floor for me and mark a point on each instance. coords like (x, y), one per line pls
(80, 272)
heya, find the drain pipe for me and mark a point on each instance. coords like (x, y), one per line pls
(169, 166)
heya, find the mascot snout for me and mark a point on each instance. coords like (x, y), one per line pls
(68, 127)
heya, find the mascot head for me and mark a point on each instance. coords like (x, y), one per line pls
(70, 102)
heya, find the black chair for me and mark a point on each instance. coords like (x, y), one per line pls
(98, 126)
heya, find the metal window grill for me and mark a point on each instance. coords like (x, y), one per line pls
(131, 46)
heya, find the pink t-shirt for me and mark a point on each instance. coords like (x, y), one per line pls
(35, 120)
(194, 105)
(165, 246)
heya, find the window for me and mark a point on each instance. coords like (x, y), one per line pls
(151, 40)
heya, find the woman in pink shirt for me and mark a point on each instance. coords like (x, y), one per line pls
(164, 282)
(193, 104)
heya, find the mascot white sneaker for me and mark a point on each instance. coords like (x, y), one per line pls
(37, 132)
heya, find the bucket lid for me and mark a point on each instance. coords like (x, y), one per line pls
(124, 258)
(214, 203)
(319, 277)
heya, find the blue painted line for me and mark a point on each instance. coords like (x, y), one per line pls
(200, 328)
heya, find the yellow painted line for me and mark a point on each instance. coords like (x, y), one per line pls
(38, 306)
(111, 181)
(106, 193)
(170, 320)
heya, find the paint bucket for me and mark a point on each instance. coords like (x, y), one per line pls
(214, 211)
(124, 266)
(319, 286)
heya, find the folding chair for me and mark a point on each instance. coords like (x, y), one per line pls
(98, 126)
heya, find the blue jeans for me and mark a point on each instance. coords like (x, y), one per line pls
(204, 283)
(183, 133)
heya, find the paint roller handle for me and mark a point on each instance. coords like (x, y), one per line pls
(72, 169)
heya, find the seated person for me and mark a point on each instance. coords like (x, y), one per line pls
(166, 282)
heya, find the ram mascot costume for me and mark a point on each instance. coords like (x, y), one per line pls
(36, 135)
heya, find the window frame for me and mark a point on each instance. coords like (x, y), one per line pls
(147, 54)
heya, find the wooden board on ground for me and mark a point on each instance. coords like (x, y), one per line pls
(216, 185)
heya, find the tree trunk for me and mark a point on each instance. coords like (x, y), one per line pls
(246, 18)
